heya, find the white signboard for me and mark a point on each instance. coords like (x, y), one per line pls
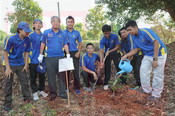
(65, 64)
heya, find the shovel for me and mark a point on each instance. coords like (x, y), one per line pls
(104, 58)
(94, 86)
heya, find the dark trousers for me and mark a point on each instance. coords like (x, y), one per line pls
(9, 82)
(76, 70)
(52, 72)
(33, 76)
(116, 59)
(87, 77)
(136, 63)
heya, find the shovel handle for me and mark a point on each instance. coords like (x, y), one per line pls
(105, 58)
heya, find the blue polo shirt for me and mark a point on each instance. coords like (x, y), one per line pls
(74, 38)
(89, 62)
(127, 45)
(109, 43)
(54, 43)
(145, 41)
(16, 48)
(35, 47)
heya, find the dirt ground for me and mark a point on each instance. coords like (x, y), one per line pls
(125, 102)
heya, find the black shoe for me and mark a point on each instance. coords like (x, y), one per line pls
(7, 108)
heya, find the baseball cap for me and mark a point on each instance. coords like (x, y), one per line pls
(24, 26)
(37, 20)
(41, 68)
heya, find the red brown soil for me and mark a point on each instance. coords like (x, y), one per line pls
(125, 102)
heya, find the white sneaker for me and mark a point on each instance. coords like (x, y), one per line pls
(35, 96)
(43, 94)
(106, 87)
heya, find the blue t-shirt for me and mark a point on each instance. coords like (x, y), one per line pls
(54, 43)
(109, 43)
(16, 48)
(89, 62)
(74, 38)
(35, 47)
(127, 45)
(145, 41)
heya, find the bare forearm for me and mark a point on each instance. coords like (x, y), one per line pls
(66, 48)
(156, 48)
(26, 58)
(42, 48)
(132, 52)
(79, 47)
(6, 60)
(101, 54)
(115, 49)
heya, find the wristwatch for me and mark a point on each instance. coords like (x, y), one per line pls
(155, 59)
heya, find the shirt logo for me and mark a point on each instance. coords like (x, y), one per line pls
(73, 35)
(59, 36)
(25, 45)
(143, 40)
(112, 41)
(50, 35)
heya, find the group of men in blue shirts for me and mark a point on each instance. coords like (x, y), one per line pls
(54, 44)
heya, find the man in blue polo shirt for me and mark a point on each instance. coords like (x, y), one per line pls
(75, 45)
(153, 61)
(54, 40)
(126, 46)
(109, 45)
(16, 52)
(90, 63)
(35, 38)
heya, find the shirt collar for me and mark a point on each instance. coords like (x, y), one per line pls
(109, 36)
(126, 39)
(69, 31)
(88, 55)
(37, 33)
(59, 30)
(139, 33)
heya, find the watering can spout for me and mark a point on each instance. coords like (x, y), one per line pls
(120, 72)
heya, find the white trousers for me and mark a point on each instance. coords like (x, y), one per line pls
(158, 75)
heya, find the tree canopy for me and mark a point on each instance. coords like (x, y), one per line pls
(25, 10)
(95, 19)
(134, 9)
(3, 35)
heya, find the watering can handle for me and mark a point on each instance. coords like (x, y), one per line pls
(126, 60)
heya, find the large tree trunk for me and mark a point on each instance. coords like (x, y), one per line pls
(170, 8)
(172, 13)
